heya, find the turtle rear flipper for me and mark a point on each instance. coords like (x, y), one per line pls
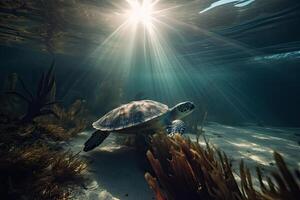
(177, 126)
(95, 140)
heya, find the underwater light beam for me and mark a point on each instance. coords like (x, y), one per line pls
(141, 44)
(141, 12)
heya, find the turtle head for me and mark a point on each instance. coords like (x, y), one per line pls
(182, 109)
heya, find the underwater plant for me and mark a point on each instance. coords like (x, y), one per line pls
(201, 131)
(38, 104)
(32, 166)
(73, 116)
(185, 170)
(68, 123)
(44, 118)
(45, 128)
(282, 184)
(38, 172)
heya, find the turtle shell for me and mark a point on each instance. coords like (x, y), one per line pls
(130, 115)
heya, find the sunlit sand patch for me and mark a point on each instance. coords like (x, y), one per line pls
(202, 143)
(95, 192)
(261, 137)
(85, 133)
(254, 144)
(262, 149)
(110, 148)
(245, 145)
(293, 146)
(106, 196)
(278, 138)
(259, 159)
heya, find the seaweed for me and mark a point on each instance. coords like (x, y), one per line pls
(48, 118)
(51, 131)
(32, 163)
(38, 104)
(37, 172)
(282, 184)
(201, 131)
(72, 116)
(185, 170)
(69, 122)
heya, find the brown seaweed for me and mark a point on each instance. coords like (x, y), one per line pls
(185, 170)
(32, 163)
(201, 131)
(37, 172)
(38, 104)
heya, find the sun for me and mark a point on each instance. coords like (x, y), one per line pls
(141, 12)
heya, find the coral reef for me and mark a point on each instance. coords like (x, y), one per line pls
(185, 170)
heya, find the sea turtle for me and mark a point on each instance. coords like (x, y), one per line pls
(140, 117)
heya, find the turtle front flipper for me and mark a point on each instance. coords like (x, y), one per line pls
(95, 140)
(177, 126)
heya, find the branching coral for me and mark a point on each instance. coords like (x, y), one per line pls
(185, 170)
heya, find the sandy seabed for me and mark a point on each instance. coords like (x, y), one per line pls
(116, 171)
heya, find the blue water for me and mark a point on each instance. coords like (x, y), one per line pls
(237, 60)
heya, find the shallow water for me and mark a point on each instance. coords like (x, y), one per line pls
(236, 60)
